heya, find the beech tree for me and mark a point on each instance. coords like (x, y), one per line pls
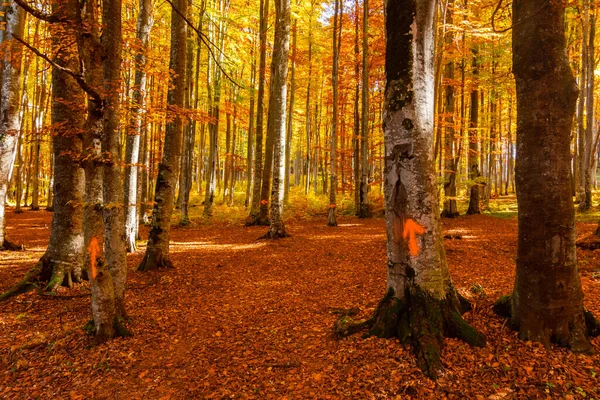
(132, 149)
(546, 304)
(421, 306)
(9, 105)
(62, 262)
(157, 251)
(278, 111)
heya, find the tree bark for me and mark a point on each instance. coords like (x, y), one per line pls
(277, 112)
(138, 110)
(364, 210)
(473, 157)
(546, 304)
(157, 251)
(9, 106)
(421, 305)
(337, 41)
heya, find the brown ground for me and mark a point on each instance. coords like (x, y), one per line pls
(240, 318)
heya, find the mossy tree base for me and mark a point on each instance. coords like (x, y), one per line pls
(48, 274)
(420, 320)
(119, 329)
(573, 334)
(154, 259)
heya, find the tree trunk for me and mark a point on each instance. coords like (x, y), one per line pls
(277, 113)
(108, 282)
(138, 110)
(337, 41)
(157, 252)
(364, 210)
(589, 105)
(260, 105)
(547, 300)
(290, 122)
(473, 157)
(9, 106)
(450, 165)
(421, 305)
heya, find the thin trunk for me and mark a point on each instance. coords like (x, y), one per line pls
(157, 251)
(365, 211)
(138, 111)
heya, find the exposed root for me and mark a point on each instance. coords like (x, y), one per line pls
(419, 320)
(52, 273)
(155, 260)
(28, 283)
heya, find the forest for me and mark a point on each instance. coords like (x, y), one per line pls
(299, 199)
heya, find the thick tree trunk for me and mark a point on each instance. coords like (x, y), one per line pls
(138, 110)
(277, 113)
(9, 106)
(547, 300)
(108, 282)
(157, 251)
(421, 305)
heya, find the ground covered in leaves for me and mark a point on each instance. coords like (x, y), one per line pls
(241, 318)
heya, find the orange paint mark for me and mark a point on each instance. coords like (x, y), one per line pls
(264, 202)
(94, 250)
(411, 230)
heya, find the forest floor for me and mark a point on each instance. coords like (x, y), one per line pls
(243, 318)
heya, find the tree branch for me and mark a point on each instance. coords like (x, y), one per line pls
(77, 76)
(52, 18)
(207, 43)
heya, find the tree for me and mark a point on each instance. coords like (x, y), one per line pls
(421, 305)
(9, 106)
(337, 40)
(546, 304)
(258, 148)
(364, 211)
(62, 262)
(278, 112)
(451, 153)
(157, 252)
(108, 282)
(474, 206)
(132, 149)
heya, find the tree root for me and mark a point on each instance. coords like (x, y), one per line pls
(27, 284)
(155, 260)
(44, 272)
(419, 320)
(11, 246)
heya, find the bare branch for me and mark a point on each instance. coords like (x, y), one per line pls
(207, 43)
(52, 18)
(77, 76)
